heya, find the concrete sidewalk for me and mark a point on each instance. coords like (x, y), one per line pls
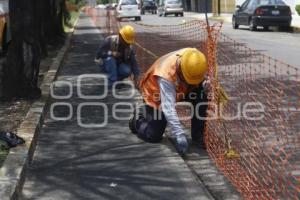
(72, 162)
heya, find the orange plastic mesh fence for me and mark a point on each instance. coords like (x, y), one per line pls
(254, 136)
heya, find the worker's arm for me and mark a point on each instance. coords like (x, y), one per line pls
(135, 67)
(168, 101)
(104, 49)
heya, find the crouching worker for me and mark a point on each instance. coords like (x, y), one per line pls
(177, 76)
(117, 57)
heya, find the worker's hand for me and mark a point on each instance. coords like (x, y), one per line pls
(99, 61)
(181, 144)
(137, 83)
(207, 85)
(115, 54)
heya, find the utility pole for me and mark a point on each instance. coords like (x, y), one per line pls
(219, 7)
(215, 7)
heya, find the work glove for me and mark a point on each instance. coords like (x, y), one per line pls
(206, 85)
(115, 54)
(181, 144)
(99, 61)
(136, 82)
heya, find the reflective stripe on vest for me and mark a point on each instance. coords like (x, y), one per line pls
(166, 68)
(114, 46)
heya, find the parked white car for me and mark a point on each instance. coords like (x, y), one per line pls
(129, 9)
(100, 6)
(168, 7)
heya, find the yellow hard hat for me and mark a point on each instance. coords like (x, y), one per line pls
(128, 34)
(193, 66)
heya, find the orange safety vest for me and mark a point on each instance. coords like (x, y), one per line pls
(166, 68)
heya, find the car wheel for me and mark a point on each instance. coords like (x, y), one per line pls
(181, 14)
(176, 15)
(234, 24)
(137, 18)
(165, 14)
(252, 26)
(285, 28)
(266, 28)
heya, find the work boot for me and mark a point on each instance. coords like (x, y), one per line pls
(132, 125)
(137, 115)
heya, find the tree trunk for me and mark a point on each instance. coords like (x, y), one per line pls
(23, 59)
(55, 31)
(41, 7)
(34, 24)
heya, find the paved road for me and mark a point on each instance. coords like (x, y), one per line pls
(283, 46)
(72, 162)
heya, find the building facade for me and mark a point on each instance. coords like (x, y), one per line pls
(197, 5)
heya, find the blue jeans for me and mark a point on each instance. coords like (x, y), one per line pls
(115, 71)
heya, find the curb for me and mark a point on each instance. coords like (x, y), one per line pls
(215, 184)
(194, 177)
(13, 171)
(220, 19)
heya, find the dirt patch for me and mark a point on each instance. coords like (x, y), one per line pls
(12, 113)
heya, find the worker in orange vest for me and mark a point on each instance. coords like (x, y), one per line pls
(176, 76)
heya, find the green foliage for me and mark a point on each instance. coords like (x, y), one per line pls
(102, 1)
(79, 3)
(75, 1)
(298, 9)
(71, 21)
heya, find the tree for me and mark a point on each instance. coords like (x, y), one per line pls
(34, 24)
(103, 1)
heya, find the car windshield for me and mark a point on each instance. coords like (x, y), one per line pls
(129, 2)
(173, 2)
(270, 2)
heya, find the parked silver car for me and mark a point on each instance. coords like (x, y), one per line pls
(168, 7)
